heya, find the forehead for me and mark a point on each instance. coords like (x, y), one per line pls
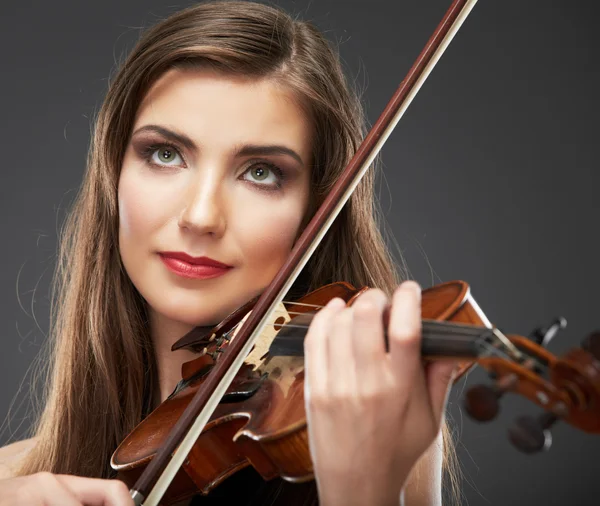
(205, 103)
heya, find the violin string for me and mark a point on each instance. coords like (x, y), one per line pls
(511, 349)
(496, 349)
(291, 303)
(463, 332)
(317, 306)
(452, 325)
(501, 347)
(467, 335)
(450, 328)
(457, 332)
(508, 352)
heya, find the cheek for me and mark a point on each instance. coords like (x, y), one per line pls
(267, 234)
(131, 203)
(138, 213)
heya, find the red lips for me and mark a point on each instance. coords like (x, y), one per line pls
(188, 266)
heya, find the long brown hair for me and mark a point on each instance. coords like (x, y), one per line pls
(102, 362)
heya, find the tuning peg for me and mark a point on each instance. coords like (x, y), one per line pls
(532, 435)
(215, 354)
(543, 335)
(591, 344)
(481, 402)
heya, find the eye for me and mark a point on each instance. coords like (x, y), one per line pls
(264, 174)
(166, 153)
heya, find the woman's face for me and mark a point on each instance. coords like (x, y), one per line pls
(218, 169)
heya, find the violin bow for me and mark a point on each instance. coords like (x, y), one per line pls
(167, 461)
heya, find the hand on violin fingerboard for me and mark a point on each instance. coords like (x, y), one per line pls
(357, 394)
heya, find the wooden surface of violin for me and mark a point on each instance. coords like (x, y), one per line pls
(261, 420)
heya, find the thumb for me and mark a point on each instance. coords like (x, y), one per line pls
(440, 374)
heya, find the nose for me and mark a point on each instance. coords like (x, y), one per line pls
(204, 210)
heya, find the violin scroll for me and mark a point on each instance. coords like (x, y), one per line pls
(567, 387)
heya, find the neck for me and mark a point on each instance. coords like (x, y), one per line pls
(164, 334)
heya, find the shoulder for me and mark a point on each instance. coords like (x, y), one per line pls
(12, 455)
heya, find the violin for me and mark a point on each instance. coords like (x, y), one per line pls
(260, 421)
(240, 402)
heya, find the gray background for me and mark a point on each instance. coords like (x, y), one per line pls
(491, 177)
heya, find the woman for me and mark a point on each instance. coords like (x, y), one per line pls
(218, 139)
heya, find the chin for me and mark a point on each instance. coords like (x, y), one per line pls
(201, 308)
(192, 318)
(200, 315)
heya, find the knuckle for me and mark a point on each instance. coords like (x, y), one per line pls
(366, 309)
(378, 295)
(321, 319)
(329, 399)
(374, 299)
(378, 392)
(405, 334)
(410, 344)
(332, 401)
(371, 396)
(119, 488)
(316, 327)
(45, 478)
(345, 317)
(317, 401)
(322, 322)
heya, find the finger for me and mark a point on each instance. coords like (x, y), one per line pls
(342, 377)
(367, 332)
(440, 374)
(404, 333)
(315, 349)
(96, 492)
(53, 492)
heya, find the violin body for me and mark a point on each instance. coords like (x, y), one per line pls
(261, 421)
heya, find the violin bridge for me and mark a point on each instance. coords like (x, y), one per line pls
(278, 317)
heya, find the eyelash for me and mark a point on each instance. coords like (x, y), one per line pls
(149, 150)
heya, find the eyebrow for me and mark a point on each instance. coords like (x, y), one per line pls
(244, 150)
